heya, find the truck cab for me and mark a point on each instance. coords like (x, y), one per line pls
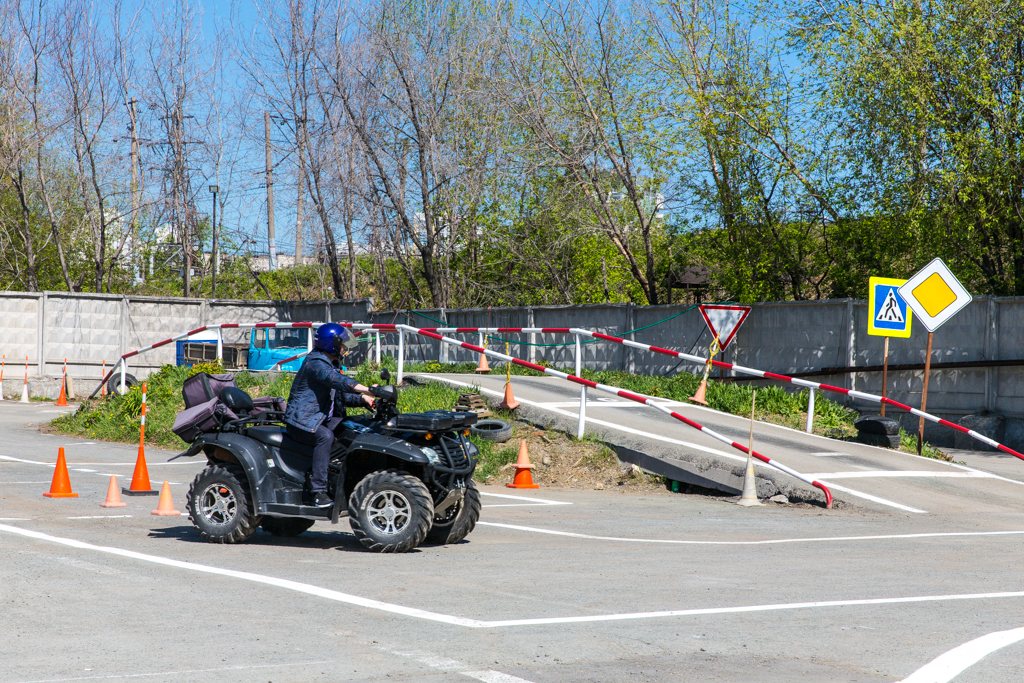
(268, 346)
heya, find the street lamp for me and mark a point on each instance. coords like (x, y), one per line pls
(213, 286)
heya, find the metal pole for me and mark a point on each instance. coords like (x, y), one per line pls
(376, 347)
(810, 412)
(124, 368)
(401, 355)
(582, 423)
(271, 239)
(924, 394)
(220, 344)
(885, 371)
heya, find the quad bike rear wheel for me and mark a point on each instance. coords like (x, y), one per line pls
(455, 523)
(390, 511)
(219, 504)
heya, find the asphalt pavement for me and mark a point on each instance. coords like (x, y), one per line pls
(552, 586)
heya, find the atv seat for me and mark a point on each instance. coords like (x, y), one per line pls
(272, 436)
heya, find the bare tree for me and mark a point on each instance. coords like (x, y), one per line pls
(577, 88)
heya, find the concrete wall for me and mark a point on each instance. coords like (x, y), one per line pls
(88, 329)
(784, 337)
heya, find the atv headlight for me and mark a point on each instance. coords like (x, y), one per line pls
(431, 454)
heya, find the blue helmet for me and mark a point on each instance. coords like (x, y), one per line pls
(331, 337)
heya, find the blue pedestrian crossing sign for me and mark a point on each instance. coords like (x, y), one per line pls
(888, 313)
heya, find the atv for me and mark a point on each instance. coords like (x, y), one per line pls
(401, 479)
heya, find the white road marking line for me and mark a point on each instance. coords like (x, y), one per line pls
(2, 483)
(81, 443)
(678, 442)
(949, 665)
(305, 588)
(873, 499)
(610, 403)
(829, 454)
(346, 598)
(100, 517)
(14, 519)
(97, 464)
(895, 474)
(178, 675)
(27, 462)
(773, 541)
(493, 677)
(524, 499)
(490, 505)
(81, 469)
(747, 609)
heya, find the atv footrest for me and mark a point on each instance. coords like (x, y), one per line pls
(283, 510)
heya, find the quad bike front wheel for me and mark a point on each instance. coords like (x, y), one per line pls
(455, 523)
(390, 511)
(219, 505)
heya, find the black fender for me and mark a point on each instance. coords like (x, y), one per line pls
(249, 454)
(390, 446)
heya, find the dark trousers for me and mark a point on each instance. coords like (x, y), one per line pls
(321, 440)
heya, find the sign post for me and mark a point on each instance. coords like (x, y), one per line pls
(889, 316)
(936, 296)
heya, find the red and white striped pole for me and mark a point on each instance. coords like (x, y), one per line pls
(24, 387)
(623, 394)
(140, 485)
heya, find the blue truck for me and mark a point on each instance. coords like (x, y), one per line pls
(267, 347)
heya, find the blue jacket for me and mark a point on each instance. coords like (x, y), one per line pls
(317, 387)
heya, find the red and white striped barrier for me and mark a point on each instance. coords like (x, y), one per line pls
(852, 393)
(121, 364)
(430, 333)
(438, 333)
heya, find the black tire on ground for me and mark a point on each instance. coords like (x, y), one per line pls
(455, 523)
(390, 511)
(498, 431)
(219, 505)
(286, 526)
(114, 383)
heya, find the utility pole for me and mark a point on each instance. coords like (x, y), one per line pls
(136, 256)
(300, 134)
(215, 256)
(180, 209)
(271, 247)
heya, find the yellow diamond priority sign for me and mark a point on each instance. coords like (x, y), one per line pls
(934, 294)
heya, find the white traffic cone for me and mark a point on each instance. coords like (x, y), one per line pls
(749, 496)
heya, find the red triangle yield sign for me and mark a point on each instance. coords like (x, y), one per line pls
(724, 320)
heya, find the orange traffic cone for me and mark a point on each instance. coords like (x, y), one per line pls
(60, 487)
(113, 495)
(165, 506)
(509, 402)
(482, 367)
(140, 485)
(699, 397)
(62, 400)
(523, 478)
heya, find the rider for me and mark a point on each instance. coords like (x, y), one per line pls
(317, 401)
